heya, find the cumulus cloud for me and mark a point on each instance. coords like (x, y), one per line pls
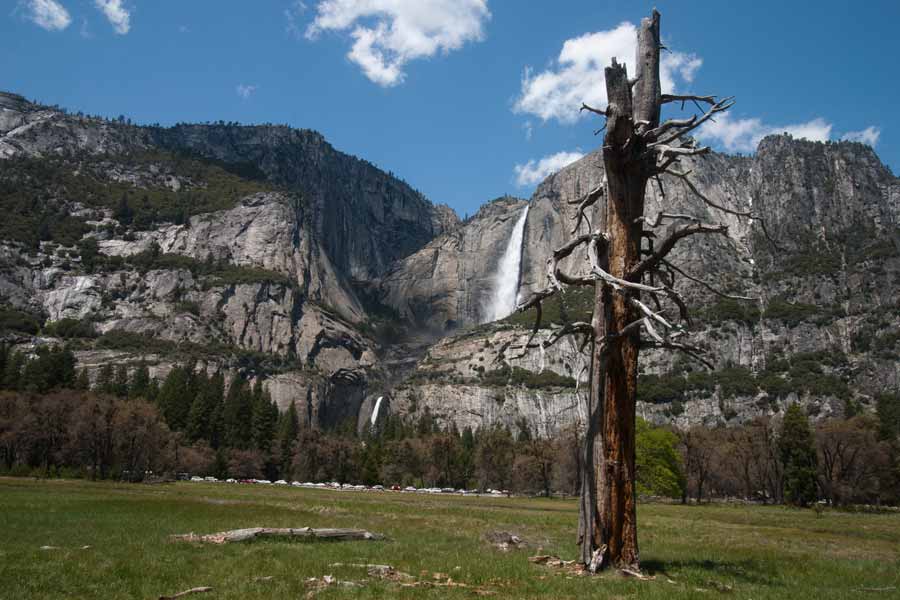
(245, 91)
(48, 14)
(577, 74)
(744, 135)
(535, 171)
(388, 34)
(116, 13)
(869, 136)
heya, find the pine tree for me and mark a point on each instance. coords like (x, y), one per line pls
(13, 372)
(237, 415)
(140, 382)
(265, 415)
(175, 397)
(104, 383)
(120, 382)
(288, 430)
(796, 446)
(83, 382)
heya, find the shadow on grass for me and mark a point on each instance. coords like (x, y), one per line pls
(746, 571)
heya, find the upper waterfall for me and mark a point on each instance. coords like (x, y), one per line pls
(506, 280)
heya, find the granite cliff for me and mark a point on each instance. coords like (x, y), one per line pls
(265, 251)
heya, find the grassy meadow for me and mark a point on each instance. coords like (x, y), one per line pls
(111, 541)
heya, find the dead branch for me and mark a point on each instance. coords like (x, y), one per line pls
(666, 98)
(692, 351)
(243, 535)
(690, 184)
(584, 203)
(196, 590)
(718, 107)
(596, 111)
(666, 246)
(678, 151)
(654, 134)
(663, 215)
(719, 293)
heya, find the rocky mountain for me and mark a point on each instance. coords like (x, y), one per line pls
(262, 250)
(823, 330)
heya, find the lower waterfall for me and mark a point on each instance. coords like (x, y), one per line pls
(375, 410)
(506, 281)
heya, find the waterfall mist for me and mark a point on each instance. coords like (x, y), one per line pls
(506, 280)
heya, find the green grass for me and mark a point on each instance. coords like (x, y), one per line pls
(710, 551)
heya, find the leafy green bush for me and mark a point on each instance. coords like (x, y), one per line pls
(13, 319)
(727, 309)
(71, 329)
(791, 314)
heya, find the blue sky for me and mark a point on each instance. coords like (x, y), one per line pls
(464, 99)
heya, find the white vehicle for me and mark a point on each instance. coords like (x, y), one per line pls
(196, 478)
(409, 488)
(265, 481)
(230, 480)
(281, 482)
(211, 479)
(296, 484)
(377, 488)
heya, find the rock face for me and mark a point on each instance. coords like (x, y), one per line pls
(826, 279)
(448, 283)
(281, 295)
(288, 284)
(364, 217)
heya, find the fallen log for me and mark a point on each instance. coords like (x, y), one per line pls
(252, 533)
(196, 590)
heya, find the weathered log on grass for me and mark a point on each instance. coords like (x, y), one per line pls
(196, 590)
(252, 533)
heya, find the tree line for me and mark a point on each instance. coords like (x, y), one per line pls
(127, 425)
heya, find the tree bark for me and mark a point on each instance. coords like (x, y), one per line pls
(614, 372)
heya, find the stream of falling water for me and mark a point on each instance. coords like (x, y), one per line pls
(506, 280)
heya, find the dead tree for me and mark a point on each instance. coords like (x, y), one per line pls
(636, 304)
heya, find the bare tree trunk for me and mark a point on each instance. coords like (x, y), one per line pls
(636, 147)
(627, 172)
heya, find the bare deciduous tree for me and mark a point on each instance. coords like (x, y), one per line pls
(634, 285)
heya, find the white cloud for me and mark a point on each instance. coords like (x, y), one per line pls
(535, 171)
(577, 74)
(388, 34)
(245, 91)
(529, 130)
(869, 136)
(744, 135)
(116, 13)
(48, 14)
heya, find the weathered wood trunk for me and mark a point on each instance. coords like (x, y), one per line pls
(613, 516)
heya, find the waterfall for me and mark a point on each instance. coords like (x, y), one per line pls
(506, 281)
(375, 410)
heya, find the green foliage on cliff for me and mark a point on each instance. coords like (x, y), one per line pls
(576, 304)
(803, 373)
(36, 193)
(214, 273)
(727, 309)
(20, 321)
